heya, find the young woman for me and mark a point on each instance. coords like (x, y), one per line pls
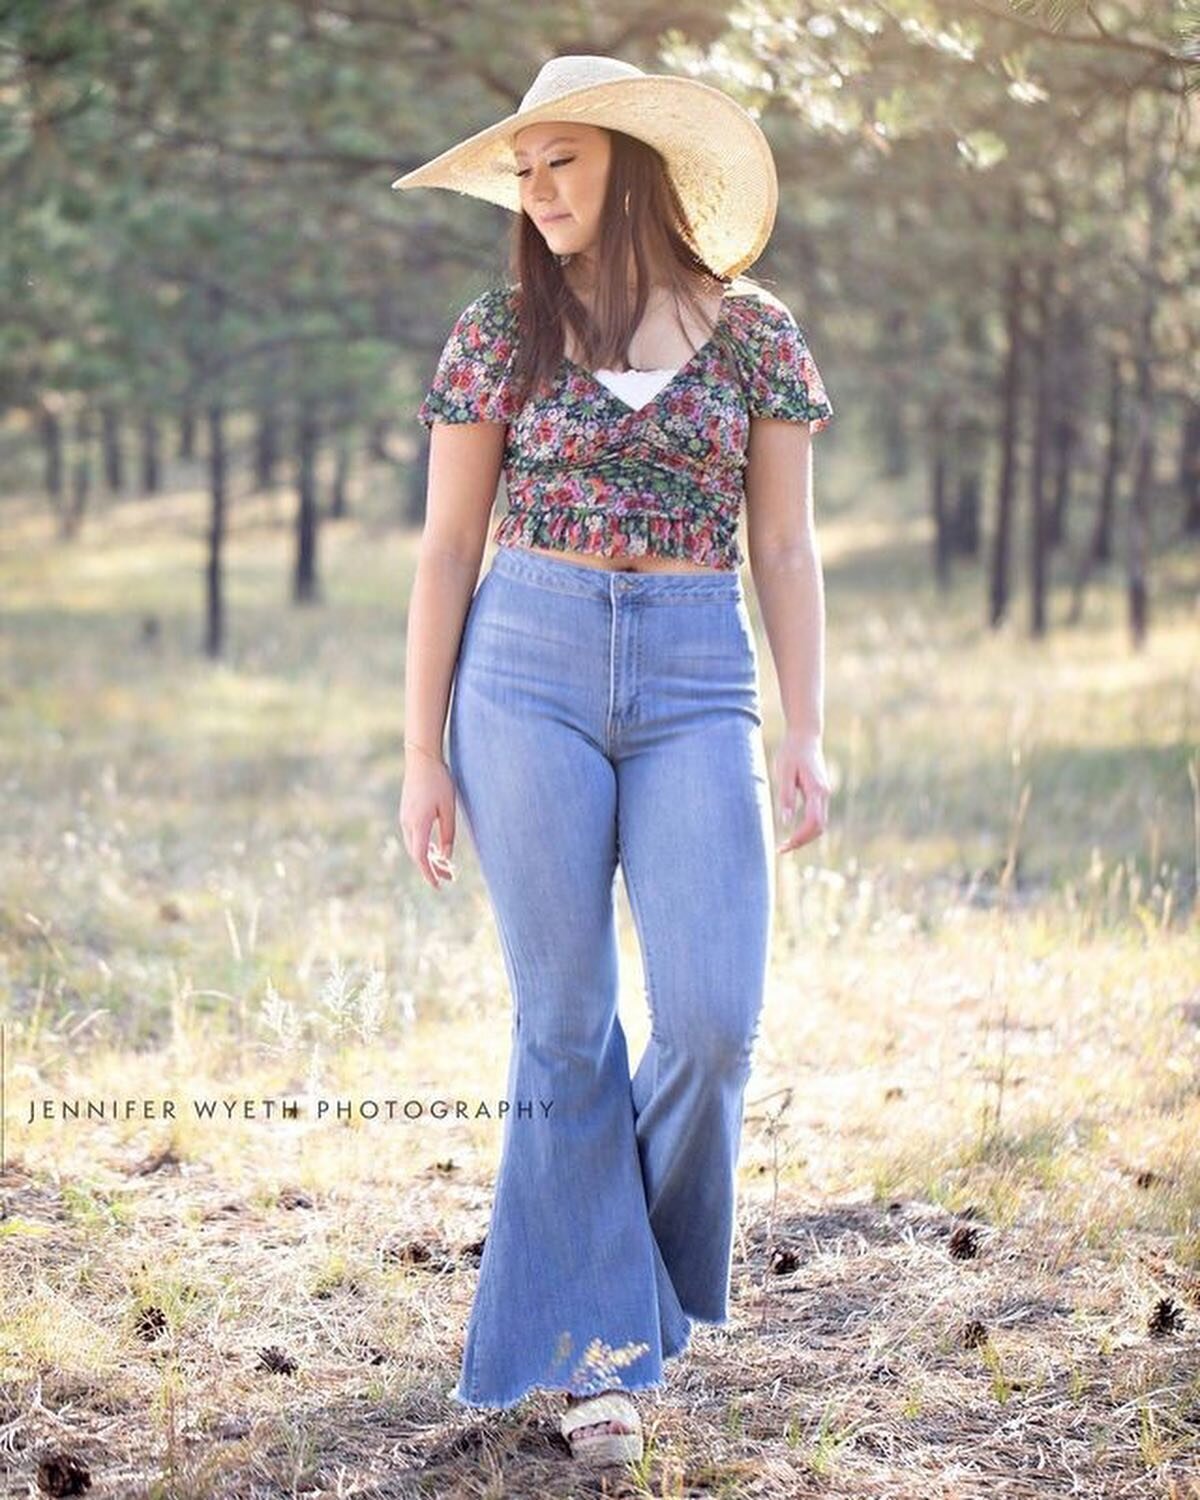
(605, 708)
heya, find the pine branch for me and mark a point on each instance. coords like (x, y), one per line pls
(1100, 38)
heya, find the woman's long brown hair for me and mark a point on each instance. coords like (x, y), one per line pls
(655, 229)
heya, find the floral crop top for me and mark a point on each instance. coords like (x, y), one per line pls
(586, 472)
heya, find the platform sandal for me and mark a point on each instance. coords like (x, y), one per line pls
(603, 1447)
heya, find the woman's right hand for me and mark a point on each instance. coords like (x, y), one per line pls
(427, 797)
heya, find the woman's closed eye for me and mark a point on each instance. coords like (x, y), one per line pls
(562, 161)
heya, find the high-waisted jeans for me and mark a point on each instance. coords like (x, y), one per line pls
(598, 719)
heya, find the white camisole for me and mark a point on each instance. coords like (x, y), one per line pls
(635, 387)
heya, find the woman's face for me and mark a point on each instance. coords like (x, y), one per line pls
(562, 169)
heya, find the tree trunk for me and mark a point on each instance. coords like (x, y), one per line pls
(214, 639)
(266, 448)
(305, 589)
(938, 488)
(1043, 396)
(1137, 536)
(187, 434)
(377, 436)
(52, 454)
(1099, 546)
(1072, 365)
(339, 507)
(111, 438)
(71, 518)
(1101, 550)
(1010, 422)
(1189, 469)
(1137, 532)
(151, 469)
(969, 445)
(891, 415)
(416, 486)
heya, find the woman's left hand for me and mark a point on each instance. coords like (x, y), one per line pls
(799, 765)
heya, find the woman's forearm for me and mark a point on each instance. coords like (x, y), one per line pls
(790, 586)
(441, 593)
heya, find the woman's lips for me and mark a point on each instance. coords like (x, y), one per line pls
(554, 218)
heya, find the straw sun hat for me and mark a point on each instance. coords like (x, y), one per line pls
(717, 155)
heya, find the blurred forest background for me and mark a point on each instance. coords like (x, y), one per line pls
(988, 224)
(968, 1257)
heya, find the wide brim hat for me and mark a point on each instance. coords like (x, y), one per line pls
(719, 160)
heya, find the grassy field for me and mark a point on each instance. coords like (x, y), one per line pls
(968, 1259)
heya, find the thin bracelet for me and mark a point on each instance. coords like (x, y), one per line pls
(412, 745)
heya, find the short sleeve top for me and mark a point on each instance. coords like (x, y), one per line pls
(586, 472)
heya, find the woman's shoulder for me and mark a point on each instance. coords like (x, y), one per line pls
(756, 307)
(493, 311)
(781, 378)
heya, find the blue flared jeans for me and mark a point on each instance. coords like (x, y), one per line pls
(598, 720)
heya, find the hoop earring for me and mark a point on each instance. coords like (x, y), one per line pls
(626, 202)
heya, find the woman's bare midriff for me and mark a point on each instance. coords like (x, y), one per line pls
(626, 564)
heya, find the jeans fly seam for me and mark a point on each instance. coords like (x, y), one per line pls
(638, 676)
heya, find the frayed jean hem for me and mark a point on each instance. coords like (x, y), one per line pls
(508, 1402)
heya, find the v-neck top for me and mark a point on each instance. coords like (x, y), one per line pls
(584, 471)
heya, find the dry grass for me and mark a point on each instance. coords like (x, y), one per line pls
(969, 1251)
